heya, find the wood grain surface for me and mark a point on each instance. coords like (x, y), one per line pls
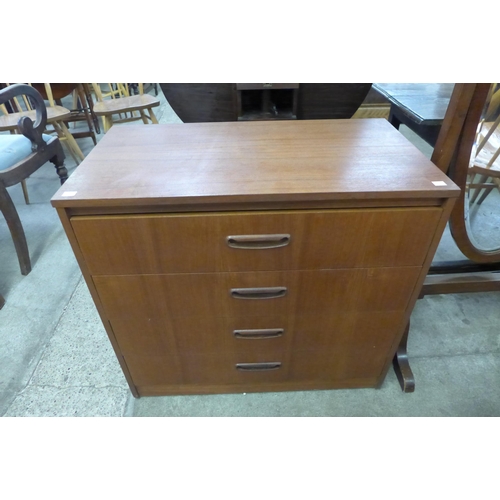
(179, 329)
(252, 161)
(172, 289)
(198, 243)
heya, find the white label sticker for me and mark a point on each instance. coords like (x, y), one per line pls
(69, 193)
(439, 183)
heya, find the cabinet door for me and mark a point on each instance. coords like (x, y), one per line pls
(293, 240)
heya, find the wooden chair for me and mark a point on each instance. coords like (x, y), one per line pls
(485, 160)
(82, 106)
(21, 155)
(56, 117)
(118, 101)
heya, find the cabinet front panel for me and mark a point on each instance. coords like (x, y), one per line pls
(217, 368)
(335, 239)
(196, 313)
(338, 363)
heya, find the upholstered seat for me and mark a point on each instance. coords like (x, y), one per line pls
(15, 148)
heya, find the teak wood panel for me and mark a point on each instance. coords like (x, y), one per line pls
(207, 163)
(343, 362)
(220, 368)
(196, 313)
(149, 244)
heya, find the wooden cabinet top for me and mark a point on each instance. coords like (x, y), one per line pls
(252, 162)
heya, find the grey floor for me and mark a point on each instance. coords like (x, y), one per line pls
(55, 358)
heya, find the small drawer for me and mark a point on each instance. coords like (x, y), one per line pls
(218, 368)
(197, 313)
(257, 294)
(157, 334)
(270, 241)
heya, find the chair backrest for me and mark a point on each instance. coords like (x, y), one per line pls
(33, 131)
(487, 145)
(14, 103)
(26, 104)
(115, 90)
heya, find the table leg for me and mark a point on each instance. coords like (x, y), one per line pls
(393, 119)
(90, 102)
(402, 366)
(86, 108)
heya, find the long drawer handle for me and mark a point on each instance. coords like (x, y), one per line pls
(258, 293)
(258, 367)
(268, 333)
(258, 241)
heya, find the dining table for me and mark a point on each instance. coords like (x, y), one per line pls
(419, 106)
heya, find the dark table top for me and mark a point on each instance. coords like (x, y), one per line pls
(423, 103)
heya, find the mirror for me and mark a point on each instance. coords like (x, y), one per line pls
(482, 189)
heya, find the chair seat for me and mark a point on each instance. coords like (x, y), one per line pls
(124, 104)
(54, 113)
(16, 147)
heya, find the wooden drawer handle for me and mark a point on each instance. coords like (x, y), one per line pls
(268, 333)
(258, 241)
(258, 367)
(258, 293)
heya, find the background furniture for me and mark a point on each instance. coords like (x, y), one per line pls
(486, 150)
(452, 155)
(56, 116)
(119, 101)
(218, 102)
(255, 256)
(375, 105)
(20, 156)
(267, 101)
(419, 106)
(82, 109)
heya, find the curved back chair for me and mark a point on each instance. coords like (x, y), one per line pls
(22, 154)
(56, 117)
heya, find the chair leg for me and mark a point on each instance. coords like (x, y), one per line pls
(144, 117)
(71, 141)
(62, 137)
(152, 115)
(58, 161)
(25, 192)
(486, 192)
(75, 102)
(107, 122)
(482, 180)
(16, 230)
(2, 301)
(83, 103)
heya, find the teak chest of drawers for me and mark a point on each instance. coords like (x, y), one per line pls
(259, 256)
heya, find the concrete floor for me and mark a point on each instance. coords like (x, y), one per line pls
(56, 360)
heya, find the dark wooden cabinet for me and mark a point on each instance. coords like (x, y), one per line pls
(221, 102)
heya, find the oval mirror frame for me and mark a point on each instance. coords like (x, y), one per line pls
(452, 155)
